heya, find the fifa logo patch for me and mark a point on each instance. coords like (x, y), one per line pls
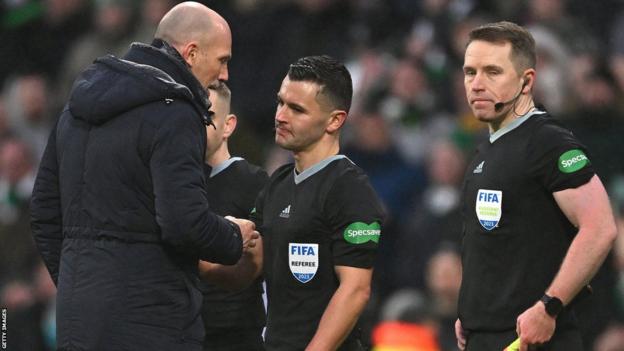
(489, 207)
(303, 261)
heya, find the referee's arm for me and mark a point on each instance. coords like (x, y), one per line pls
(343, 309)
(238, 276)
(588, 208)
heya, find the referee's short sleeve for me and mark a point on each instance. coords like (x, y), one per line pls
(355, 215)
(558, 159)
(256, 212)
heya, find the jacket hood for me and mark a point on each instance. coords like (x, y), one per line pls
(112, 86)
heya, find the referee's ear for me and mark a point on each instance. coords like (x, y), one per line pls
(229, 125)
(528, 80)
(335, 121)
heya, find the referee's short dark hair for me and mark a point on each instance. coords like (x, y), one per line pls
(522, 43)
(332, 76)
(222, 90)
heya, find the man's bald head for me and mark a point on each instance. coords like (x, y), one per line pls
(201, 36)
(190, 21)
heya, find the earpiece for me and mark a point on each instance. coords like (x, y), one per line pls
(499, 105)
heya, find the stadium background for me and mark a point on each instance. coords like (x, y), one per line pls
(409, 127)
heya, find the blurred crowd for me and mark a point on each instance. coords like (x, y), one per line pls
(409, 128)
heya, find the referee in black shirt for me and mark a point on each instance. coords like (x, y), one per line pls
(537, 219)
(320, 219)
(233, 320)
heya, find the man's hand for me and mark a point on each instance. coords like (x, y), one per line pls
(534, 326)
(460, 335)
(248, 231)
(248, 268)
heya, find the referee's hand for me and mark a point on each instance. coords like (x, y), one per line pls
(460, 335)
(534, 326)
(248, 231)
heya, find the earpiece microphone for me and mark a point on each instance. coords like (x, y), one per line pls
(499, 105)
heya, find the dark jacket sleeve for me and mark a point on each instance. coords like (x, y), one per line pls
(45, 210)
(182, 211)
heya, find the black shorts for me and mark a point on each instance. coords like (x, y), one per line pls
(564, 340)
(228, 339)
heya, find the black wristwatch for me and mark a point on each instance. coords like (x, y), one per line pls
(553, 305)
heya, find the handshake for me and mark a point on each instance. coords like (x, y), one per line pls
(246, 270)
(248, 231)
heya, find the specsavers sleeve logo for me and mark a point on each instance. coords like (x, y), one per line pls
(571, 161)
(360, 233)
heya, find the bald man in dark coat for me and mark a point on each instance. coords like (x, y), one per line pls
(119, 209)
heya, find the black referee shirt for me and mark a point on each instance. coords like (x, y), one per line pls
(232, 188)
(326, 216)
(515, 235)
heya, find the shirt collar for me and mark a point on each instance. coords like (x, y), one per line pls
(316, 168)
(223, 165)
(514, 124)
